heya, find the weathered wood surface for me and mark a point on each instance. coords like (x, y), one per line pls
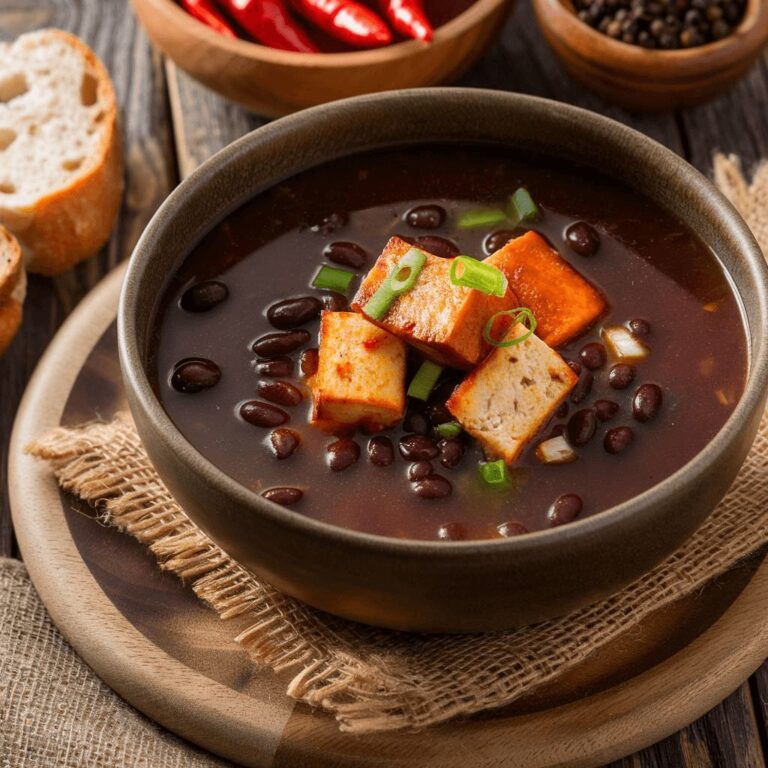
(171, 125)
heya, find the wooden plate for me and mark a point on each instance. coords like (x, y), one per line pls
(150, 639)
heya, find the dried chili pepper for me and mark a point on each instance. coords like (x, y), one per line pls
(269, 22)
(346, 20)
(408, 18)
(205, 11)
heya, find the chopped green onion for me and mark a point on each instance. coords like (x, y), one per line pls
(470, 273)
(494, 472)
(332, 279)
(521, 207)
(519, 315)
(378, 305)
(483, 218)
(448, 429)
(407, 271)
(424, 381)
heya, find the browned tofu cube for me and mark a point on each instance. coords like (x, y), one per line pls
(443, 320)
(511, 394)
(360, 378)
(562, 301)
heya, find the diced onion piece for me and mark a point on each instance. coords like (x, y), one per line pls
(471, 273)
(483, 218)
(555, 451)
(407, 271)
(521, 207)
(623, 345)
(424, 381)
(494, 473)
(333, 279)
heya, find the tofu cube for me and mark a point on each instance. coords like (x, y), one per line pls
(360, 378)
(511, 394)
(443, 320)
(562, 301)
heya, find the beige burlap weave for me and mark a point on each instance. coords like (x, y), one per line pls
(374, 680)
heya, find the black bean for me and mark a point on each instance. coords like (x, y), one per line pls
(512, 528)
(451, 452)
(583, 387)
(347, 254)
(342, 453)
(418, 447)
(263, 414)
(335, 302)
(617, 439)
(284, 442)
(419, 470)
(575, 367)
(621, 376)
(331, 223)
(425, 217)
(557, 431)
(308, 361)
(293, 312)
(593, 355)
(438, 246)
(283, 496)
(203, 296)
(439, 414)
(381, 452)
(581, 427)
(498, 239)
(416, 422)
(452, 531)
(280, 343)
(274, 366)
(565, 509)
(605, 410)
(562, 410)
(639, 326)
(432, 487)
(646, 402)
(280, 392)
(583, 238)
(195, 374)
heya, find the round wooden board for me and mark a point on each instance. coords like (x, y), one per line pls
(152, 641)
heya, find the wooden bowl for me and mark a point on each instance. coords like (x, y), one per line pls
(271, 82)
(642, 79)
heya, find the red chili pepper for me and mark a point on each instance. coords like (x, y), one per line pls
(270, 23)
(346, 20)
(408, 18)
(205, 11)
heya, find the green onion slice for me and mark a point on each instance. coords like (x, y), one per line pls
(424, 381)
(494, 472)
(521, 207)
(378, 305)
(519, 315)
(333, 279)
(407, 271)
(470, 273)
(481, 218)
(448, 429)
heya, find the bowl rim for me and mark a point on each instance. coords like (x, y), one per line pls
(136, 379)
(745, 39)
(467, 19)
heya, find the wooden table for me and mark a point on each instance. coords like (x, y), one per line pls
(171, 124)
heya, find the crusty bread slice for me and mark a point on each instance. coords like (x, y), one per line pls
(13, 288)
(60, 154)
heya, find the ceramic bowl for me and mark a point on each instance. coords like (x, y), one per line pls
(642, 79)
(441, 586)
(271, 82)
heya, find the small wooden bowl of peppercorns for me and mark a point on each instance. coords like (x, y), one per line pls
(655, 54)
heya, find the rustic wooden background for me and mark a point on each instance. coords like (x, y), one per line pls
(171, 124)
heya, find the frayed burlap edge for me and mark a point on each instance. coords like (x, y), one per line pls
(373, 680)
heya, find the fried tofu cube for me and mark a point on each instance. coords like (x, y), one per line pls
(511, 394)
(360, 378)
(443, 320)
(562, 301)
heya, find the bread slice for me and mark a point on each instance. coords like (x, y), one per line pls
(60, 154)
(13, 287)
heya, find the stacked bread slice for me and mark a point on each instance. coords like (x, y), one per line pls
(60, 155)
(13, 287)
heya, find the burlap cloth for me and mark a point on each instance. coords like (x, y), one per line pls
(370, 680)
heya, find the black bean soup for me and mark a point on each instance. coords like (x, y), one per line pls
(231, 360)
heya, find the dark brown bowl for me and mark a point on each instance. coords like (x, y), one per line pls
(439, 586)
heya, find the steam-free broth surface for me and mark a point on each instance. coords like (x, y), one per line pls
(649, 267)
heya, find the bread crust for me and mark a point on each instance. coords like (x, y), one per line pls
(73, 222)
(10, 320)
(11, 264)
